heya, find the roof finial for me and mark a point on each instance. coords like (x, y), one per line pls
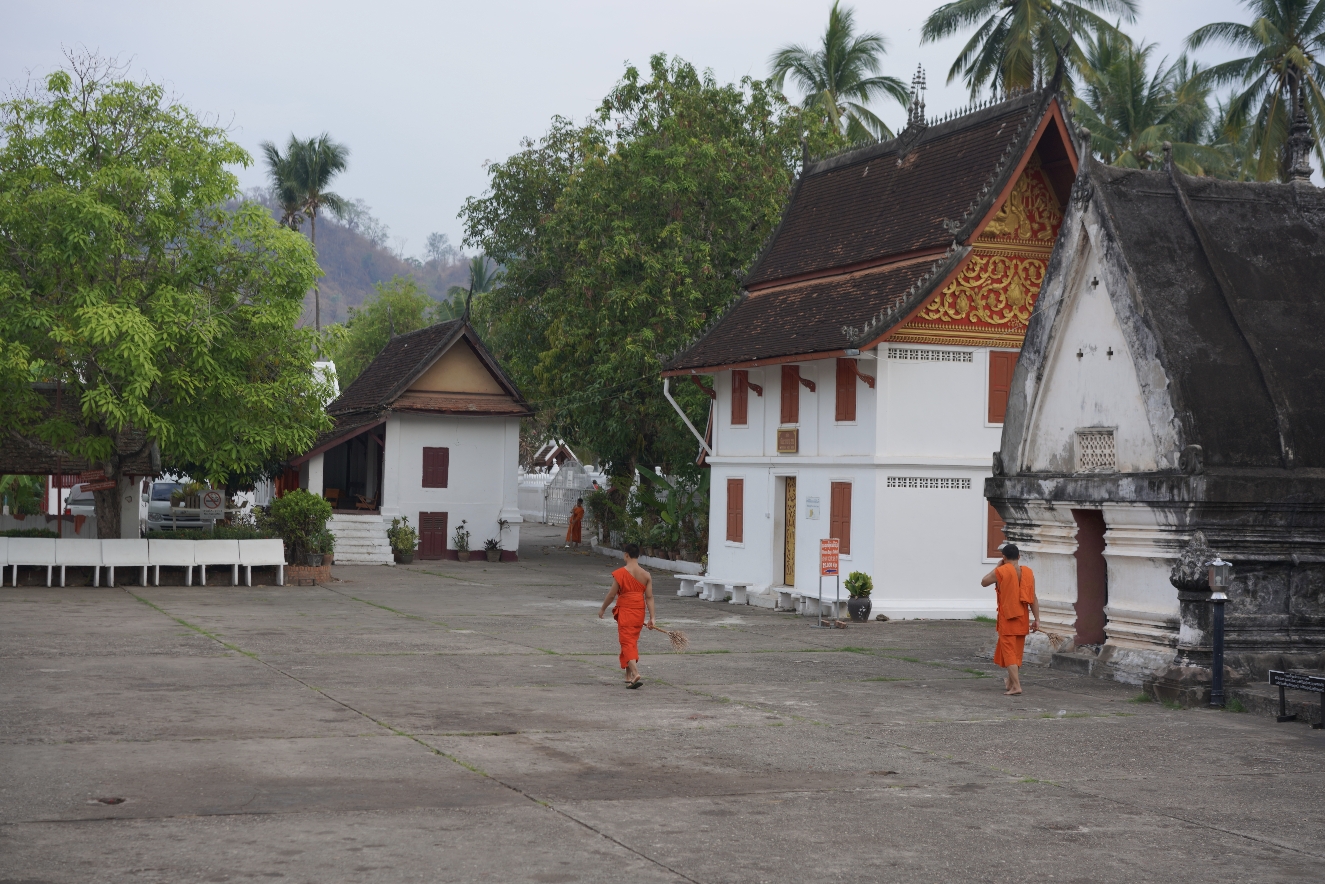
(915, 115)
(1300, 142)
(1168, 155)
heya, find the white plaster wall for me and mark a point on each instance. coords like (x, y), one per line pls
(1093, 390)
(483, 479)
(937, 409)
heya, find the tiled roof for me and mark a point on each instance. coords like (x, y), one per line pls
(460, 403)
(401, 359)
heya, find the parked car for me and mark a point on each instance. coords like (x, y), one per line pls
(79, 502)
(161, 516)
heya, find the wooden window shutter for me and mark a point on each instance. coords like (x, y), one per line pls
(994, 536)
(436, 467)
(740, 397)
(846, 390)
(432, 535)
(1001, 364)
(736, 510)
(791, 394)
(839, 516)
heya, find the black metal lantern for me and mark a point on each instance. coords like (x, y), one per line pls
(1220, 577)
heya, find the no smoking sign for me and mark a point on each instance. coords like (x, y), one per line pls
(213, 504)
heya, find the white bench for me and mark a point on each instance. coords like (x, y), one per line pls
(216, 552)
(716, 589)
(34, 552)
(258, 553)
(124, 554)
(77, 553)
(786, 600)
(4, 558)
(170, 554)
(688, 589)
(815, 606)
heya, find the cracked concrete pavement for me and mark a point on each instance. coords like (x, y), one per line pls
(445, 722)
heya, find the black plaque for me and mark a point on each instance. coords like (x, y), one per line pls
(1297, 681)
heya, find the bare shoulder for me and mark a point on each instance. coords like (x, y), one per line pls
(643, 576)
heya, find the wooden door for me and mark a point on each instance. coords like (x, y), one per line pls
(789, 532)
(432, 535)
(1092, 577)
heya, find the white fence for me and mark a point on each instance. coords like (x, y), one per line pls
(88, 525)
(549, 497)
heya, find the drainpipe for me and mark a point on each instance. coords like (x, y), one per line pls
(667, 393)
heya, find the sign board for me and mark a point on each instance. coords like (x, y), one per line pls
(92, 476)
(100, 485)
(1297, 682)
(812, 507)
(788, 440)
(212, 504)
(828, 557)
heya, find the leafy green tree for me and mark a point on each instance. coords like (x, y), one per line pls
(1017, 43)
(620, 239)
(23, 494)
(840, 76)
(164, 316)
(1132, 113)
(1280, 75)
(396, 307)
(483, 275)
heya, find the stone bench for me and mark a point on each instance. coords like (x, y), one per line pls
(716, 589)
(170, 554)
(31, 552)
(125, 554)
(216, 552)
(689, 587)
(259, 553)
(77, 553)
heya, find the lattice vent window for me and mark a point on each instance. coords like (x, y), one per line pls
(928, 482)
(1095, 452)
(915, 354)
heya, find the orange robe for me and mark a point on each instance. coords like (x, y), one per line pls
(628, 613)
(1014, 594)
(573, 527)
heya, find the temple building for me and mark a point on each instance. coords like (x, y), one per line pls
(1170, 399)
(861, 376)
(429, 430)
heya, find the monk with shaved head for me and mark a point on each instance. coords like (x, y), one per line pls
(632, 588)
(1015, 588)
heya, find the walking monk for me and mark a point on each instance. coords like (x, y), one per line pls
(632, 587)
(1016, 593)
(576, 520)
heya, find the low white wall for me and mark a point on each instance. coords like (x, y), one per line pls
(88, 532)
(667, 565)
(533, 496)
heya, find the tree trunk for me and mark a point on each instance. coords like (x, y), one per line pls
(317, 292)
(109, 504)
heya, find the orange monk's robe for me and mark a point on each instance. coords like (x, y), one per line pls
(573, 528)
(628, 613)
(1015, 591)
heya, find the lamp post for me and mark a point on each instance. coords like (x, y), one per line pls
(1220, 578)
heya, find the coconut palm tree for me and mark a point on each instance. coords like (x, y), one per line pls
(483, 275)
(840, 76)
(1132, 113)
(1280, 78)
(1017, 43)
(284, 187)
(315, 163)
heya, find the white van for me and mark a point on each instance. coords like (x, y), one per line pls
(161, 516)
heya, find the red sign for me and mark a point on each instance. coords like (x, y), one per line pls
(92, 476)
(828, 557)
(103, 485)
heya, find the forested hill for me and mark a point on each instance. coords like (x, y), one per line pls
(354, 255)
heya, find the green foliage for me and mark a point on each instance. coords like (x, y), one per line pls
(483, 275)
(491, 544)
(461, 536)
(1017, 43)
(324, 542)
(859, 585)
(124, 277)
(29, 532)
(675, 511)
(23, 494)
(299, 518)
(620, 239)
(1233, 704)
(836, 76)
(397, 307)
(221, 532)
(402, 537)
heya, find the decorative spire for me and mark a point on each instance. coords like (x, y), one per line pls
(1300, 142)
(915, 115)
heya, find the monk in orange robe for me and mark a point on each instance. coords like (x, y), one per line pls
(576, 520)
(632, 588)
(1015, 587)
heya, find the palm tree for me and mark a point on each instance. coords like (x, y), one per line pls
(317, 161)
(1280, 79)
(840, 76)
(284, 186)
(483, 275)
(1018, 42)
(1132, 114)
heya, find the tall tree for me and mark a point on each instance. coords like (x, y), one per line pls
(1017, 43)
(1279, 77)
(312, 165)
(620, 239)
(483, 275)
(1132, 113)
(840, 76)
(165, 317)
(395, 308)
(284, 185)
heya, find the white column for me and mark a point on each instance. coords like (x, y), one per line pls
(130, 528)
(510, 483)
(315, 474)
(391, 470)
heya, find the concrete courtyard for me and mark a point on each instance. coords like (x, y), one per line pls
(445, 722)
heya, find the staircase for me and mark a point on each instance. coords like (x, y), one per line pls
(360, 539)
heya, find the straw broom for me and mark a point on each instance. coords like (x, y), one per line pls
(677, 638)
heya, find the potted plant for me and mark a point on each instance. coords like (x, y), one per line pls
(492, 549)
(403, 539)
(300, 518)
(461, 540)
(325, 543)
(859, 586)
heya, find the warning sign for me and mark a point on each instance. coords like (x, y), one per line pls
(828, 557)
(213, 504)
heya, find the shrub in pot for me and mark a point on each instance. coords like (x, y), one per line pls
(492, 549)
(859, 586)
(461, 540)
(299, 518)
(403, 539)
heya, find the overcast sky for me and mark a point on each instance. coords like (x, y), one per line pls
(424, 93)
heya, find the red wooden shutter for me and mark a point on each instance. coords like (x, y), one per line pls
(791, 394)
(839, 516)
(1001, 364)
(736, 510)
(995, 538)
(740, 397)
(846, 390)
(432, 535)
(436, 467)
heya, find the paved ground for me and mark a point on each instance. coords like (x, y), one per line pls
(453, 722)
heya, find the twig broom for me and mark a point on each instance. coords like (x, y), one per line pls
(677, 638)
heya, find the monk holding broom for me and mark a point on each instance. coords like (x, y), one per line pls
(632, 588)
(1015, 587)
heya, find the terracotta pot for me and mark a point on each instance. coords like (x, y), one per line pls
(462, 555)
(328, 558)
(404, 558)
(494, 555)
(859, 609)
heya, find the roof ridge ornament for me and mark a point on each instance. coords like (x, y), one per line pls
(915, 111)
(1300, 142)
